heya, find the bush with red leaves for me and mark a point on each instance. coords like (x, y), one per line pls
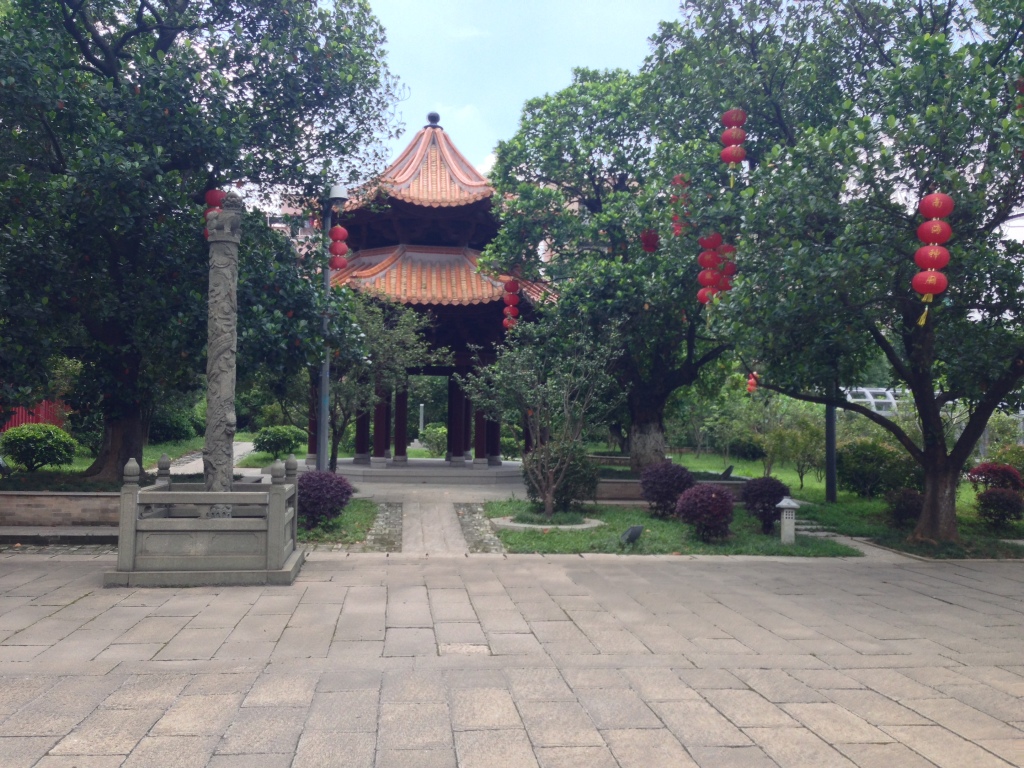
(999, 506)
(662, 485)
(708, 509)
(760, 497)
(989, 474)
(322, 497)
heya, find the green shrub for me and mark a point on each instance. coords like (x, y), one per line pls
(662, 484)
(999, 506)
(434, 438)
(708, 509)
(511, 448)
(322, 497)
(904, 506)
(38, 445)
(871, 468)
(579, 483)
(760, 497)
(87, 430)
(169, 424)
(278, 440)
(1010, 454)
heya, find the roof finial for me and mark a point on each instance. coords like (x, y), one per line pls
(433, 118)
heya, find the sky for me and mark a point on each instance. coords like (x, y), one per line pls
(475, 62)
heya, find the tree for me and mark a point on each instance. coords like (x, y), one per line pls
(115, 117)
(553, 375)
(390, 342)
(581, 178)
(928, 101)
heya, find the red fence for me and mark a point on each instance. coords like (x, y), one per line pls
(47, 412)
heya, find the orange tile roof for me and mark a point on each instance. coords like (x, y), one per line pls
(431, 172)
(415, 274)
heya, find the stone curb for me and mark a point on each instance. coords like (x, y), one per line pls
(505, 523)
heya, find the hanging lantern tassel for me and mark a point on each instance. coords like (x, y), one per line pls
(927, 299)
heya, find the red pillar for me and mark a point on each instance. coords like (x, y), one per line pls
(457, 424)
(362, 439)
(494, 443)
(379, 430)
(479, 440)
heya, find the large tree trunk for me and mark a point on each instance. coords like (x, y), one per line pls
(122, 440)
(937, 523)
(647, 430)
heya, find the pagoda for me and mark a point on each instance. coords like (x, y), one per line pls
(415, 239)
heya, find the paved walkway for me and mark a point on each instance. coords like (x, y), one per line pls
(425, 661)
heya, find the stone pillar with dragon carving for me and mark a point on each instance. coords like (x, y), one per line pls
(224, 227)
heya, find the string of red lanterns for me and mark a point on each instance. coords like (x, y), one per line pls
(338, 247)
(752, 380)
(732, 137)
(932, 257)
(717, 265)
(511, 299)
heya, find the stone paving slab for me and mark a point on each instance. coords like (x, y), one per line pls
(424, 659)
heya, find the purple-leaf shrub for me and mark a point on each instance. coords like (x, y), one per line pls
(322, 497)
(708, 509)
(662, 485)
(999, 506)
(760, 497)
(989, 474)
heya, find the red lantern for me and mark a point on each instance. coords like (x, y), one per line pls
(936, 206)
(710, 241)
(929, 282)
(704, 295)
(338, 248)
(734, 118)
(510, 299)
(338, 233)
(733, 155)
(509, 323)
(215, 197)
(208, 211)
(679, 181)
(931, 257)
(338, 262)
(511, 312)
(934, 232)
(511, 286)
(729, 268)
(709, 259)
(708, 278)
(724, 284)
(649, 240)
(752, 382)
(733, 136)
(725, 249)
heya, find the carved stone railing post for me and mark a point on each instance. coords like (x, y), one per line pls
(129, 517)
(163, 470)
(291, 469)
(224, 228)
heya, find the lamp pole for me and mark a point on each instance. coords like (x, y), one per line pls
(336, 197)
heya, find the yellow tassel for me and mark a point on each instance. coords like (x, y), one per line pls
(927, 298)
(923, 318)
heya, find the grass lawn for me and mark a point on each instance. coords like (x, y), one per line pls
(350, 527)
(258, 459)
(660, 537)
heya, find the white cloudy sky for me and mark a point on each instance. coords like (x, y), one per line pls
(476, 61)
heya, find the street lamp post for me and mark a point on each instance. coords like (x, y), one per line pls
(336, 198)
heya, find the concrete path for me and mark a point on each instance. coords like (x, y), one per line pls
(373, 661)
(193, 465)
(429, 523)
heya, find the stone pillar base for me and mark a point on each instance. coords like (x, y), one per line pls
(494, 461)
(378, 461)
(458, 462)
(479, 463)
(400, 460)
(361, 458)
(310, 459)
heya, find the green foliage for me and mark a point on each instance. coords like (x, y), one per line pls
(279, 440)
(120, 115)
(1010, 454)
(553, 374)
(999, 506)
(172, 421)
(871, 468)
(561, 470)
(38, 445)
(351, 527)
(435, 439)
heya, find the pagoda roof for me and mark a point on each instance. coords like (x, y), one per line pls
(426, 275)
(431, 172)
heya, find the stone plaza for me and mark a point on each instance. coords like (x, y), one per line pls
(434, 657)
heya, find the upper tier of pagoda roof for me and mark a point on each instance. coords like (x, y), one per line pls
(431, 172)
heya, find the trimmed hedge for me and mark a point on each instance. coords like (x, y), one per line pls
(760, 496)
(662, 484)
(1000, 506)
(322, 497)
(708, 510)
(871, 468)
(278, 440)
(38, 445)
